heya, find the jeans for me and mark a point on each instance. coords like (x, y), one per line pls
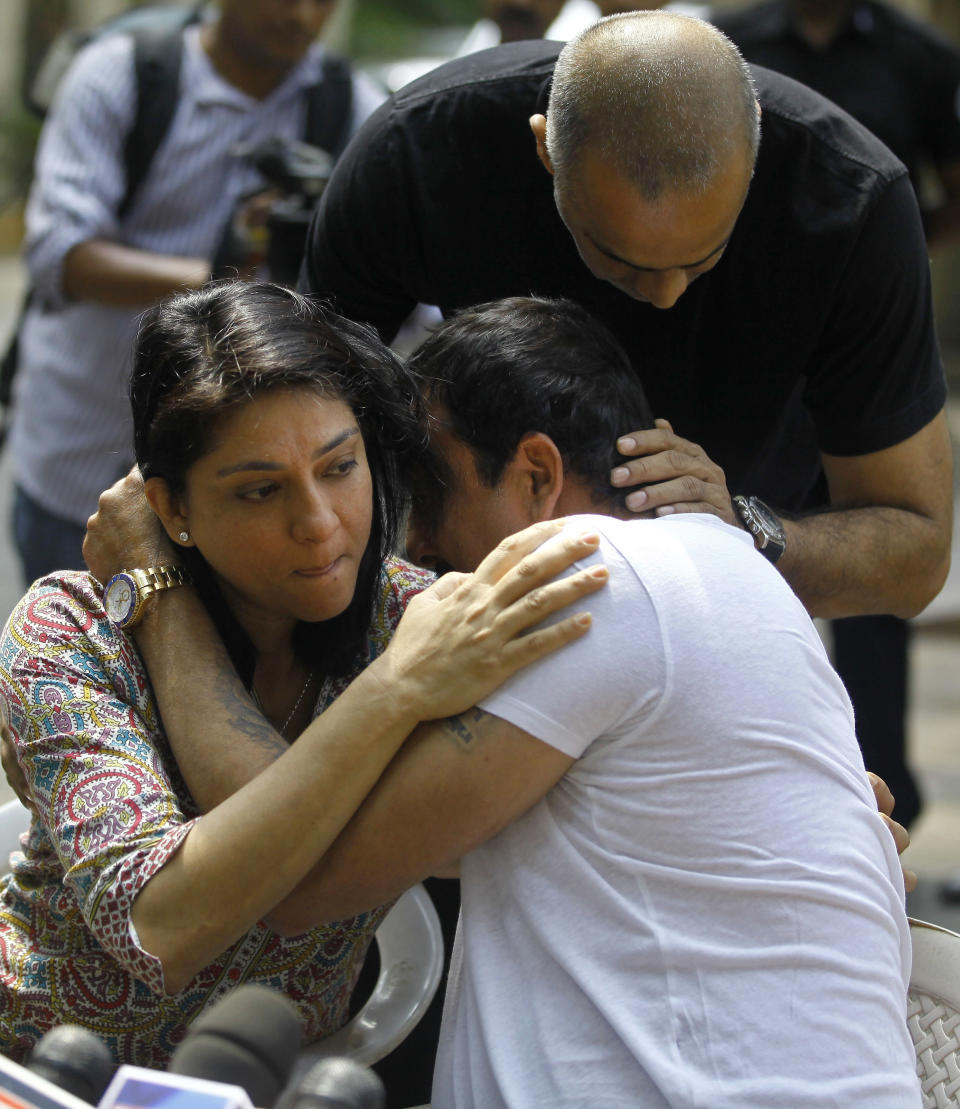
(44, 541)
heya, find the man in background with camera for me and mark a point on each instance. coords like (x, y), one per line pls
(98, 254)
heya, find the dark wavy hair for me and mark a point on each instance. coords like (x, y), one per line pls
(522, 364)
(202, 355)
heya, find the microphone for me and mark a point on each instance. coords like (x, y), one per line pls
(22, 1089)
(339, 1083)
(74, 1059)
(250, 1038)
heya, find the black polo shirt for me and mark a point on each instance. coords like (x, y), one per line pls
(897, 76)
(816, 320)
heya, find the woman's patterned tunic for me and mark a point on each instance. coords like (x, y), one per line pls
(112, 808)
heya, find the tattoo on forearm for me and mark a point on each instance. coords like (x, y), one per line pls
(465, 731)
(244, 717)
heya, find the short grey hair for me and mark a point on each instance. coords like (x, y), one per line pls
(664, 99)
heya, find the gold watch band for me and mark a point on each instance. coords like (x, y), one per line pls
(155, 578)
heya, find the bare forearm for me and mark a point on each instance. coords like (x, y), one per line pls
(409, 829)
(865, 560)
(268, 818)
(249, 852)
(885, 546)
(194, 680)
(124, 277)
(453, 785)
(220, 741)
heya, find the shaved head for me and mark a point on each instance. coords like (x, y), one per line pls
(664, 100)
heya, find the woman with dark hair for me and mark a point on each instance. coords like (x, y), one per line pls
(273, 438)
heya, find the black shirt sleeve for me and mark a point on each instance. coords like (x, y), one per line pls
(363, 242)
(878, 378)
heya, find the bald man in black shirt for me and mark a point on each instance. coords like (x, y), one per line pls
(776, 307)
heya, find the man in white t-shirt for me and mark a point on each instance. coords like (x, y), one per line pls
(705, 910)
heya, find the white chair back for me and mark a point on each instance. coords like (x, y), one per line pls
(14, 821)
(410, 945)
(933, 1013)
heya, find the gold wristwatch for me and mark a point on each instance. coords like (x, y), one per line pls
(125, 593)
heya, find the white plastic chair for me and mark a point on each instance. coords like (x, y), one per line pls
(933, 1012)
(411, 961)
(14, 821)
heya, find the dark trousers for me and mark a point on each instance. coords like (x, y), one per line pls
(44, 542)
(871, 654)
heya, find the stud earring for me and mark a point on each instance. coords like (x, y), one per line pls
(184, 536)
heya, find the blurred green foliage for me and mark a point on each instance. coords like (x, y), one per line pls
(382, 29)
(425, 13)
(19, 130)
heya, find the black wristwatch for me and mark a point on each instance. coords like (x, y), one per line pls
(761, 521)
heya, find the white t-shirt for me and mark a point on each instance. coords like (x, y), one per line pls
(707, 909)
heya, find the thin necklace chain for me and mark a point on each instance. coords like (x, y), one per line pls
(296, 704)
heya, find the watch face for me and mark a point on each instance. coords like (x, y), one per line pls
(119, 598)
(769, 522)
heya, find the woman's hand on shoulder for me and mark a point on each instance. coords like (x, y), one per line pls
(465, 635)
(124, 533)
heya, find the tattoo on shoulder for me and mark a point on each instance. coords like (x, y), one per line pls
(466, 730)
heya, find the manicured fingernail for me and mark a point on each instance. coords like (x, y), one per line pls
(584, 619)
(626, 444)
(637, 500)
(600, 573)
(665, 510)
(619, 475)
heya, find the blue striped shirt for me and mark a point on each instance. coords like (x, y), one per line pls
(72, 434)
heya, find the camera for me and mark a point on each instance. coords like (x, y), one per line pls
(268, 232)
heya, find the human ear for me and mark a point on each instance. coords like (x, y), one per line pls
(538, 125)
(169, 510)
(539, 466)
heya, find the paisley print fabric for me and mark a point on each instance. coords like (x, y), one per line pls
(112, 808)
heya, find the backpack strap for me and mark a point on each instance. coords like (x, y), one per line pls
(8, 369)
(156, 60)
(329, 106)
(157, 56)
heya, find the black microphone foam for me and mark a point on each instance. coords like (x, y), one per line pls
(251, 1039)
(339, 1083)
(74, 1059)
